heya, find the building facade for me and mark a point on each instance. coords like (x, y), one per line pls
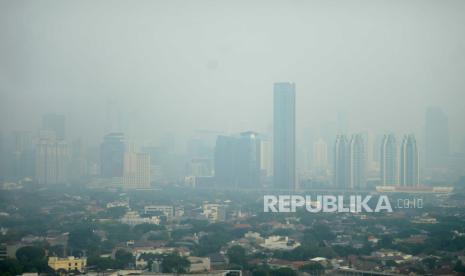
(388, 161)
(284, 174)
(409, 174)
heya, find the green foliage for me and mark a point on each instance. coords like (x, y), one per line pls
(174, 263)
(124, 259)
(312, 267)
(32, 259)
(10, 267)
(236, 255)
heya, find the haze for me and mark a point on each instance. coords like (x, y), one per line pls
(180, 66)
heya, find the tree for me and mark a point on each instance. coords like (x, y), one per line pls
(32, 258)
(283, 271)
(236, 255)
(313, 268)
(10, 267)
(174, 263)
(123, 258)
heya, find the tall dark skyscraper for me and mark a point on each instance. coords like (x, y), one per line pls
(112, 155)
(284, 136)
(409, 168)
(436, 138)
(56, 123)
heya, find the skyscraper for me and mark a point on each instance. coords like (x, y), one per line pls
(112, 155)
(409, 158)
(388, 160)
(284, 136)
(237, 160)
(56, 123)
(436, 138)
(357, 162)
(341, 162)
(136, 170)
(51, 161)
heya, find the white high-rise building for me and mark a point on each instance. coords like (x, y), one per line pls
(51, 161)
(136, 173)
(409, 162)
(341, 162)
(266, 157)
(388, 160)
(357, 162)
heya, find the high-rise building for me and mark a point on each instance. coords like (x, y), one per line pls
(23, 155)
(409, 174)
(357, 162)
(56, 123)
(388, 160)
(266, 157)
(436, 138)
(237, 161)
(341, 162)
(112, 155)
(320, 155)
(284, 174)
(51, 161)
(136, 170)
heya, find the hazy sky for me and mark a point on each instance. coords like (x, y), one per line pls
(178, 66)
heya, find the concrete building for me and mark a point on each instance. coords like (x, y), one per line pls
(214, 212)
(357, 162)
(284, 173)
(237, 160)
(51, 161)
(409, 174)
(136, 172)
(112, 155)
(388, 160)
(67, 264)
(341, 162)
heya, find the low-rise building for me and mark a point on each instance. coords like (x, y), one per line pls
(67, 264)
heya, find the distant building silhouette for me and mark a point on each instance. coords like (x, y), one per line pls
(112, 155)
(436, 138)
(341, 162)
(54, 122)
(409, 159)
(51, 161)
(320, 155)
(388, 160)
(357, 162)
(238, 160)
(284, 175)
(136, 173)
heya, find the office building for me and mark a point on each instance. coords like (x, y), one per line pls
(237, 160)
(136, 172)
(112, 155)
(284, 174)
(341, 162)
(51, 161)
(409, 174)
(388, 161)
(357, 162)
